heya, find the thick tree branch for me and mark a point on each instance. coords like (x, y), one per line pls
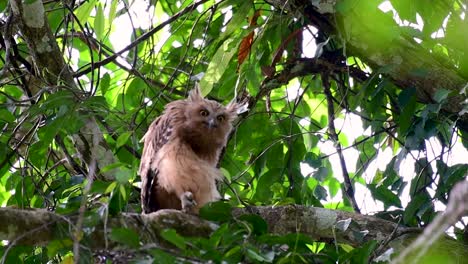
(37, 227)
(403, 60)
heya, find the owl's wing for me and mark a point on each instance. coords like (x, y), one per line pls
(157, 135)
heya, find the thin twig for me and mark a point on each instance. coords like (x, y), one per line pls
(348, 185)
(91, 174)
(141, 38)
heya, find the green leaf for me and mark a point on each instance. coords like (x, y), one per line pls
(172, 236)
(259, 225)
(82, 12)
(113, 11)
(256, 255)
(218, 65)
(406, 9)
(263, 191)
(320, 192)
(123, 138)
(216, 211)
(363, 254)
(6, 116)
(104, 83)
(162, 257)
(118, 199)
(125, 236)
(345, 6)
(407, 101)
(440, 95)
(236, 21)
(123, 175)
(99, 22)
(3, 5)
(383, 194)
(333, 185)
(321, 174)
(413, 207)
(102, 187)
(313, 160)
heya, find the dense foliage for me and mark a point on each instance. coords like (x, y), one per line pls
(346, 130)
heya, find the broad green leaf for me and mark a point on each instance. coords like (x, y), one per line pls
(162, 256)
(123, 175)
(440, 95)
(333, 185)
(259, 225)
(257, 255)
(105, 83)
(118, 199)
(321, 174)
(99, 22)
(383, 194)
(313, 160)
(216, 211)
(263, 191)
(82, 13)
(416, 203)
(125, 236)
(406, 9)
(218, 65)
(6, 116)
(407, 101)
(172, 236)
(320, 192)
(236, 21)
(112, 11)
(123, 138)
(345, 6)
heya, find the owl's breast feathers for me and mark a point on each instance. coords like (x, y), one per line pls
(181, 170)
(170, 165)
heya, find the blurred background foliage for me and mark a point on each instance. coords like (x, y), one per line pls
(130, 58)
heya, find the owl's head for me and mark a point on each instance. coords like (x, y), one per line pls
(207, 120)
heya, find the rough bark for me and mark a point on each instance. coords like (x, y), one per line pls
(39, 227)
(401, 58)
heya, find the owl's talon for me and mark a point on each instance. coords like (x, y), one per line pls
(188, 202)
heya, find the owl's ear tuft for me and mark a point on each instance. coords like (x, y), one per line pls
(237, 107)
(195, 94)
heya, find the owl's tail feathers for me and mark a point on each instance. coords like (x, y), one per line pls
(148, 202)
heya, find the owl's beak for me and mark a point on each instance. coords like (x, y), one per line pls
(212, 123)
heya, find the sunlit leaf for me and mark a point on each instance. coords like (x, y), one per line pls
(99, 22)
(82, 13)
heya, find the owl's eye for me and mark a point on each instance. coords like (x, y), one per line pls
(220, 118)
(203, 112)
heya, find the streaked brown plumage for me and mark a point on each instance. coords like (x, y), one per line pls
(181, 151)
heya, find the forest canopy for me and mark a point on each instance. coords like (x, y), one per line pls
(356, 130)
